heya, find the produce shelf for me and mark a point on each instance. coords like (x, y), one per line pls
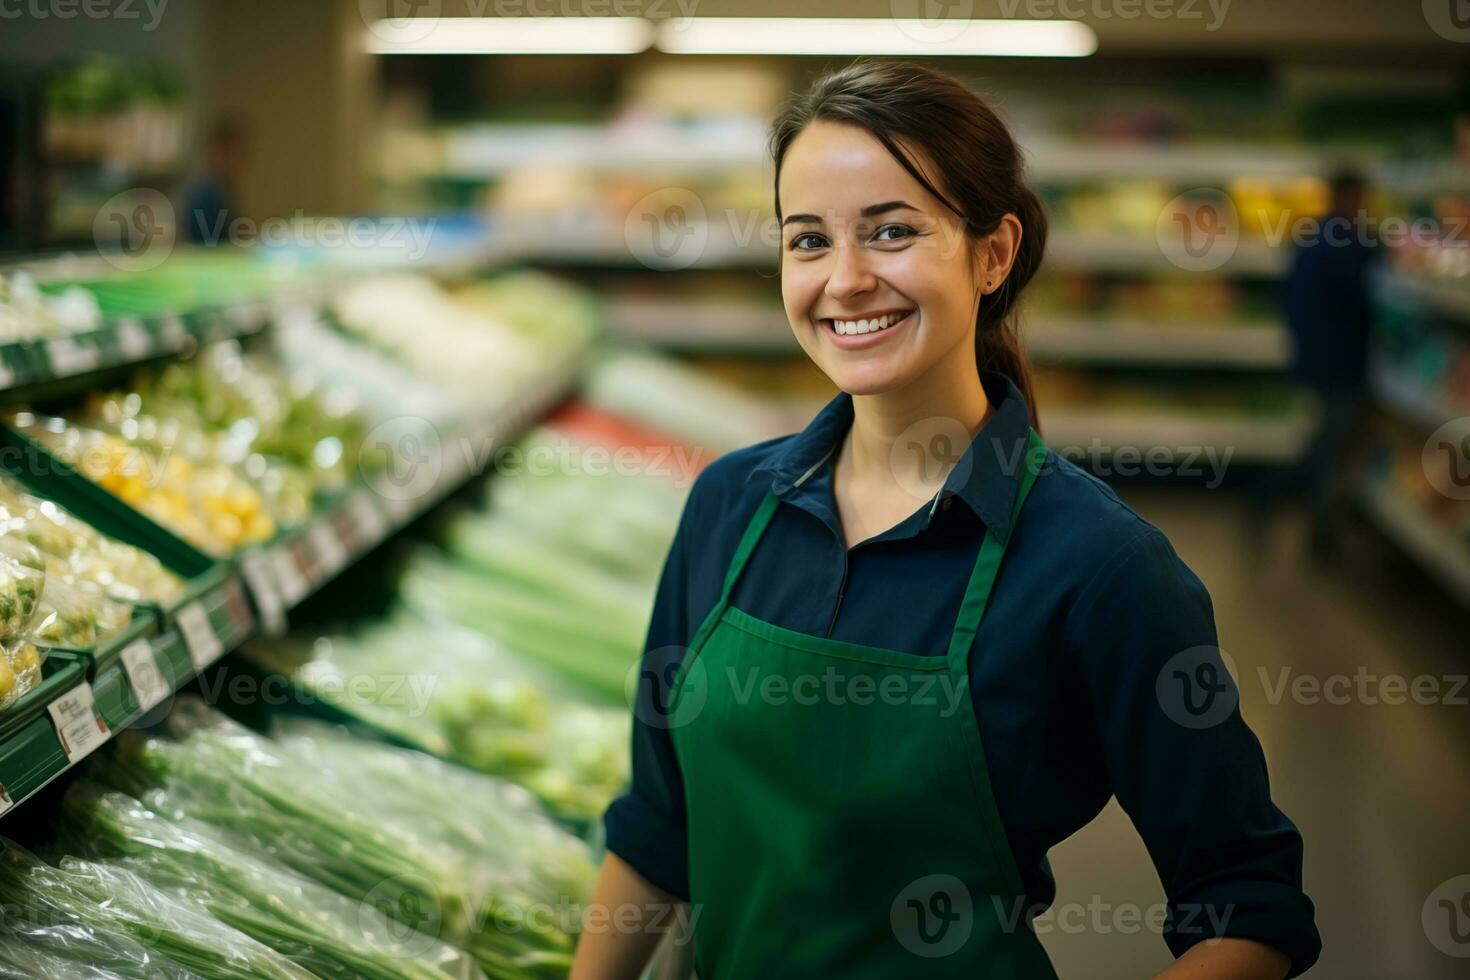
(1442, 555)
(85, 696)
(1270, 439)
(1083, 340)
(27, 367)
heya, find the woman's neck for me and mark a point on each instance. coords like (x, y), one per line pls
(929, 415)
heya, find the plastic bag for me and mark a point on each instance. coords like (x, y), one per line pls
(451, 852)
(21, 589)
(74, 952)
(110, 900)
(70, 617)
(319, 929)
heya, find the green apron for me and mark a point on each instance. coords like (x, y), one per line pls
(840, 817)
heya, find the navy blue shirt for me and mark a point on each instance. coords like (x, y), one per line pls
(1328, 307)
(1095, 671)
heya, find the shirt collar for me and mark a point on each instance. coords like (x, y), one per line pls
(986, 477)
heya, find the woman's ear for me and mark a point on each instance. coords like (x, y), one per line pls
(997, 253)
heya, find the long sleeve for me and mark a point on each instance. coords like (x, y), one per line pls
(1180, 758)
(646, 825)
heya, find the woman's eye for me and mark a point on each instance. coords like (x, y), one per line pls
(807, 241)
(892, 233)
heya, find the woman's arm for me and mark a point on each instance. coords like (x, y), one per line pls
(1229, 959)
(1185, 766)
(624, 923)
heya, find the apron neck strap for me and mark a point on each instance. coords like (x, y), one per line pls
(753, 532)
(987, 565)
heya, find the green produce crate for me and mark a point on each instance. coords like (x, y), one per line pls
(31, 752)
(213, 602)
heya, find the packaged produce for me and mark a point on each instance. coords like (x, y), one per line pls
(454, 692)
(314, 926)
(450, 852)
(107, 900)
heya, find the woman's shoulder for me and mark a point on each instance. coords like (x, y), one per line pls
(1092, 528)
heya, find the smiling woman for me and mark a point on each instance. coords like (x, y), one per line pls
(799, 777)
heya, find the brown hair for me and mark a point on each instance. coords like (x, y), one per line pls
(978, 161)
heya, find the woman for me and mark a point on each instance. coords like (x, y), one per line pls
(897, 656)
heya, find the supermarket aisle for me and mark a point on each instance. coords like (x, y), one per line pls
(1380, 790)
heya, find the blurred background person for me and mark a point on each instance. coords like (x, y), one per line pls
(211, 201)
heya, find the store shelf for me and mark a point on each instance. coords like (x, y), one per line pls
(1135, 254)
(702, 326)
(1406, 399)
(487, 152)
(1442, 554)
(89, 695)
(1450, 297)
(1205, 163)
(1088, 340)
(1085, 431)
(28, 365)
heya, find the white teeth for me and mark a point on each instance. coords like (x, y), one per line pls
(851, 328)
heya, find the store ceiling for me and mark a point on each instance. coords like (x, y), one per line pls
(1122, 26)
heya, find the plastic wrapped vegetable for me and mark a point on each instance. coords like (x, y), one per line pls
(319, 929)
(112, 900)
(171, 478)
(21, 588)
(74, 952)
(454, 692)
(445, 850)
(20, 669)
(42, 535)
(70, 617)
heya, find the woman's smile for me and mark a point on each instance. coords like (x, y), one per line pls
(867, 330)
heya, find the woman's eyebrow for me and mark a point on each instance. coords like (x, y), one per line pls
(867, 212)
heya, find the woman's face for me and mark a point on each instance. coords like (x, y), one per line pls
(877, 274)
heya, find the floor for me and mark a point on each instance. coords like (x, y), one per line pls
(1380, 791)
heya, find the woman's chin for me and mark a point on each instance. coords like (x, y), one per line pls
(874, 378)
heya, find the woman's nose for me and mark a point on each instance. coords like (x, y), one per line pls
(850, 273)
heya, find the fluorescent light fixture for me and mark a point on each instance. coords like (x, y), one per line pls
(510, 35)
(876, 35)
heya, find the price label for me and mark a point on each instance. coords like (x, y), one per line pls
(289, 580)
(78, 725)
(261, 578)
(326, 544)
(68, 357)
(140, 662)
(133, 339)
(200, 640)
(367, 519)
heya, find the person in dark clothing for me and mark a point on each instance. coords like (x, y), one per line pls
(210, 201)
(1329, 317)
